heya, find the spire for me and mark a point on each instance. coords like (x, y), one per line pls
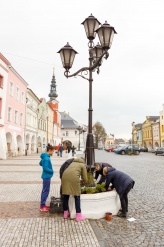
(53, 94)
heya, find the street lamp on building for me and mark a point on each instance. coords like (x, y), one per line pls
(96, 54)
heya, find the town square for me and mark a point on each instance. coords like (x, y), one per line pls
(22, 224)
(81, 123)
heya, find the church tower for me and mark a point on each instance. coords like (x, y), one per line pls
(53, 94)
(54, 104)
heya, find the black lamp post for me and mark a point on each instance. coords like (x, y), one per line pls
(96, 53)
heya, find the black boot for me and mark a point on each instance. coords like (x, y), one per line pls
(121, 214)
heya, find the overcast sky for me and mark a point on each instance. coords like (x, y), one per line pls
(130, 84)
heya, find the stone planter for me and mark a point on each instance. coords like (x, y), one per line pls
(95, 206)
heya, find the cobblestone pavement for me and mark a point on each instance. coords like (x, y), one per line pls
(146, 203)
(22, 224)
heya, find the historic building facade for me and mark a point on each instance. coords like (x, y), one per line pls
(4, 70)
(147, 131)
(162, 127)
(72, 133)
(156, 134)
(31, 120)
(15, 113)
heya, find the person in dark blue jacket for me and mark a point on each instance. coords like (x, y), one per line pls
(47, 174)
(122, 183)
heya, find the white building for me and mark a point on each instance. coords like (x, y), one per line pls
(72, 133)
(31, 128)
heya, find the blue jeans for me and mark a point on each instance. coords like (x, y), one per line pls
(77, 203)
(45, 191)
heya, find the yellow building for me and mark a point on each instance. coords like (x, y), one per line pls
(162, 127)
(147, 136)
(137, 133)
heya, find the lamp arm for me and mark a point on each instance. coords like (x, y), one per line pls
(96, 64)
(76, 73)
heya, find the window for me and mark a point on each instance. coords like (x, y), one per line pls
(17, 93)
(66, 133)
(1, 81)
(9, 114)
(16, 117)
(11, 88)
(22, 97)
(21, 119)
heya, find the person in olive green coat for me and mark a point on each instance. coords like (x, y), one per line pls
(71, 185)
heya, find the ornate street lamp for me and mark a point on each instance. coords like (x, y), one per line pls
(96, 53)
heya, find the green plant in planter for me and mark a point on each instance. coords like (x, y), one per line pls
(90, 190)
(100, 187)
(90, 179)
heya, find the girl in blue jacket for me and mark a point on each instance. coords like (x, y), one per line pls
(47, 174)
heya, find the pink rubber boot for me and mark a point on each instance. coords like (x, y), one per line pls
(66, 214)
(79, 217)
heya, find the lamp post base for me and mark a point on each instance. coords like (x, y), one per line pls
(90, 155)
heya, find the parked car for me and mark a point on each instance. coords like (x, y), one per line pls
(118, 149)
(130, 149)
(159, 151)
(111, 148)
(143, 149)
(154, 149)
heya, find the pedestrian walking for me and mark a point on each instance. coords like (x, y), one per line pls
(99, 166)
(71, 186)
(61, 150)
(58, 149)
(123, 183)
(69, 148)
(73, 151)
(47, 173)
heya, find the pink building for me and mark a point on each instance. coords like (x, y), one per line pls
(14, 114)
(4, 70)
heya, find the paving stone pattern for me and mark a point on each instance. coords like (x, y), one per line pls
(22, 224)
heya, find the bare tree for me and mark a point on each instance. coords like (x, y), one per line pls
(99, 133)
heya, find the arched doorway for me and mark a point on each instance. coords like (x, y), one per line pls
(149, 146)
(19, 145)
(33, 144)
(39, 148)
(67, 144)
(44, 143)
(162, 143)
(27, 142)
(9, 144)
(156, 145)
